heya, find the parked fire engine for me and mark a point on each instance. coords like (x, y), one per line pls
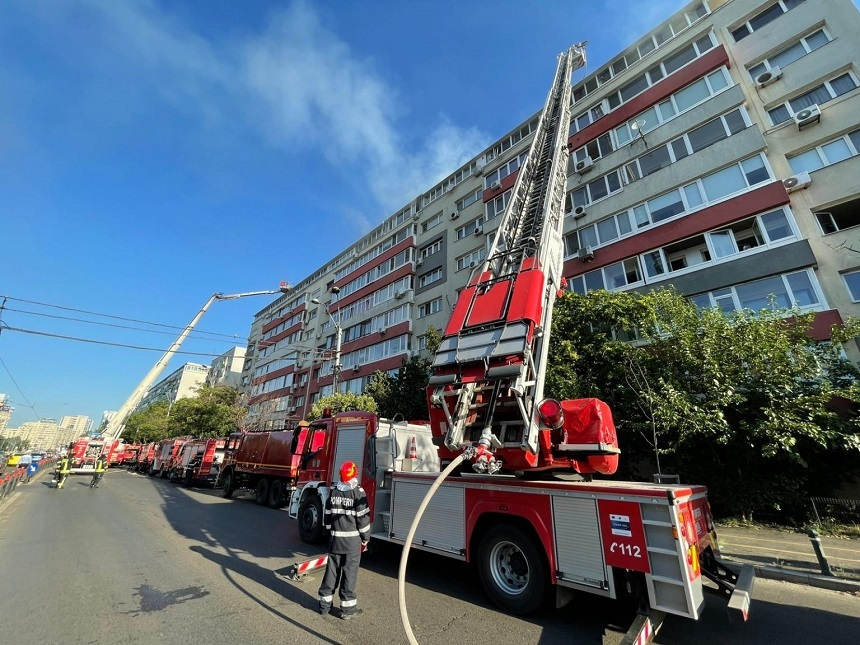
(198, 460)
(165, 453)
(145, 456)
(267, 463)
(85, 451)
(531, 515)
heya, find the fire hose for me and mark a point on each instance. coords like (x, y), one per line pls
(401, 575)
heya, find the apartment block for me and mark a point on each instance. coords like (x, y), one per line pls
(718, 154)
(183, 383)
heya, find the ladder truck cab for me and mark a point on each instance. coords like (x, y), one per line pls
(84, 453)
(268, 462)
(199, 460)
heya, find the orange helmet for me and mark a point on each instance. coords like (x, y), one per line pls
(348, 471)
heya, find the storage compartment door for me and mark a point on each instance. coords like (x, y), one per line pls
(579, 552)
(350, 447)
(442, 526)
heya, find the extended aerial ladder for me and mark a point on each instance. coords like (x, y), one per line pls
(486, 392)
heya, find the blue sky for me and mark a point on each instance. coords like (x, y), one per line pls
(153, 152)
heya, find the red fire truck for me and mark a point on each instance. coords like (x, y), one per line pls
(145, 456)
(166, 452)
(86, 450)
(531, 516)
(198, 460)
(267, 463)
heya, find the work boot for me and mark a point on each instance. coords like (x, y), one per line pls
(350, 615)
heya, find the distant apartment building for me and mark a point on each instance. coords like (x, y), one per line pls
(41, 435)
(227, 368)
(72, 427)
(718, 154)
(181, 384)
(5, 413)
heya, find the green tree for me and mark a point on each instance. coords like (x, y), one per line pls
(342, 402)
(214, 412)
(150, 424)
(742, 403)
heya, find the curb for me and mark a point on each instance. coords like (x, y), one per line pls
(811, 579)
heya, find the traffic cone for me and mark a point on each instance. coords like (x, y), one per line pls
(413, 449)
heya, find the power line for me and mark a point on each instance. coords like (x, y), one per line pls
(95, 322)
(96, 313)
(20, 391)
(102, 342)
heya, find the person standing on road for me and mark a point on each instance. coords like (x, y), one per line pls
(64, 467)
(98, 473)
(348, 518)
(26, 461)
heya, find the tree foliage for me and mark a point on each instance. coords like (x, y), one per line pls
(405, 395)
(215, 411)
(342, 402)
(742, 403)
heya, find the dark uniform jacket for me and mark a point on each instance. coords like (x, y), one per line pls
(348, 517)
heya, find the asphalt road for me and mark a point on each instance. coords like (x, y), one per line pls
(140, 560)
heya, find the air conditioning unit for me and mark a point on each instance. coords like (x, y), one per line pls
(479, 231)
(399, 294)
(382, 331)
(798, 181)
(419, 262)
(356, 368)
(604, 105)
(766, 78)
(480, 164)
(584, 165)
(807, 116)
(579, 212)
(586, 254)
(455, 215)
(496, 184)
(416, 217)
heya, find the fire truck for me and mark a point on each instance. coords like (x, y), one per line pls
(166, 452)
(85, 451)
(198, 460)
(532, 512)
(267, 462)
(145, 456)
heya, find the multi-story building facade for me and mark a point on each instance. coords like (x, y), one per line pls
(5, 413)
(227, 368)
(183, 383)
(72, 427)
(718, 154)
(41, 435)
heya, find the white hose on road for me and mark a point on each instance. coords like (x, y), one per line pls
(401, 575)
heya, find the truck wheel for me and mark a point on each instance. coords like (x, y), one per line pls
(276, 494)
(311, 520)
(512, 570)
(229, 489)
(262, 491)
(189, 477)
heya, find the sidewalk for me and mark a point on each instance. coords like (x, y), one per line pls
(785, 555)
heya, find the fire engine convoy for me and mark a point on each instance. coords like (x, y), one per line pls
(530, 516)
(198, 461)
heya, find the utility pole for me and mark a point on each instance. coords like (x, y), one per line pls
(334, 321)
(117, 423)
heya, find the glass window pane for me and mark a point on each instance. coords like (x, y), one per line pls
(855, 139)
(631, 270)
(702, 301)
(606, 230)
(615, 275)
(604, 142)
(779, 115)
(726, 181)
(852, 281)
(843, 84)
(817, 96)
(648, 119)
(761, 68)
(789, 55)
(816, 40)
(758, 295)
(577, 285)
(624, 223)
(724, 243)
(693, 195)
(740, 33)
(755, 170)
(654, 161)
(679, 149)
(718, 80)
(691, 95)
(801, 289)
(580, 197)
(588, 236)
(594, 280)
(836, 151)
(735, 121)
(655, 73)
(614, 181)
(766, 16)
(707, 134)
(597, 189)
(704, 44)
(647, 46)
(633, 88)
(622, 134)
(619, 65)
(776, 225)
(678, 60)
(640, 214)
(667, 110)
(666, 206)
(654, 264)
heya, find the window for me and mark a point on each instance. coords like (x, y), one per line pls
(763, 18)
(793, 289)
(840, 217)
(791, 53)
(509, 168)
(430, 249)
(432, 307)
(852, 283)
(429, 278)
(433, 222)
(469, 199)
(594, 190)
(824, 155)
(469, 229)
(497, 205)
(825, 92)
(472, 259)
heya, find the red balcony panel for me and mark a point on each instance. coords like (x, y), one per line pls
(277, 321)
(759, 200)
(384, 365)
(507, 183)
(654, 94)
(390, 253)
(394, 276)
(822, 323)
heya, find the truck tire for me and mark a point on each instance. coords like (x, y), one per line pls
(276, 494)
(311, 520)
(229, 488)
(512, 570)
(262, 491)
(188, 479)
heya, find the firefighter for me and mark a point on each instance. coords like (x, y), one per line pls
(348, 518)
(98, 473)
(64, 467)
